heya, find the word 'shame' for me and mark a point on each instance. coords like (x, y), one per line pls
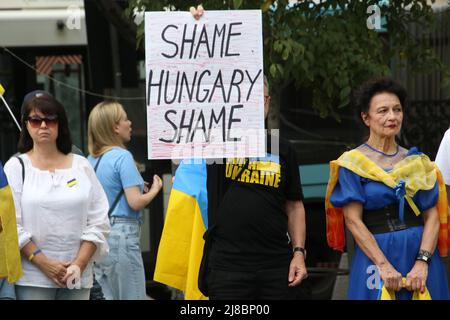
(220, 35)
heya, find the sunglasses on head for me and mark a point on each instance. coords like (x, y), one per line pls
(36, 122)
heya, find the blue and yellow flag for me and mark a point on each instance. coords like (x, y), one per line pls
(181, 247)
(10, 265)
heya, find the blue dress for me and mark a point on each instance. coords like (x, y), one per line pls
(399, 247)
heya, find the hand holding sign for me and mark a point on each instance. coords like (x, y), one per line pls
(197, 13)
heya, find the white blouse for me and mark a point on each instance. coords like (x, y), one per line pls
(57, 210)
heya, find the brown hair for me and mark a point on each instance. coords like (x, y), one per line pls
(48, 106)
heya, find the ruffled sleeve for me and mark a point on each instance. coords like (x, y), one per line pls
(348, 189)
(426, 199)
(13, 171)
(98, 227)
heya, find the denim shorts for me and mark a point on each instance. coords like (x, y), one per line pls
(121, 274)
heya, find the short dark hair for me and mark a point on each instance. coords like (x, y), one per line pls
(364, 94)
(48, 106)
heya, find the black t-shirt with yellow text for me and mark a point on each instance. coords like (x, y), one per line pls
(250, 216)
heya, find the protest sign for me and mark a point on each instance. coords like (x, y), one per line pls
(204, 84)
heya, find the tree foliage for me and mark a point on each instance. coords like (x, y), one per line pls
(326, 47)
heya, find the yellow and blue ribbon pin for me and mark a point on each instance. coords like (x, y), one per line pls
(72, 182)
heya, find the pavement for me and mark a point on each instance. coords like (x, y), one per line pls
(341, 284)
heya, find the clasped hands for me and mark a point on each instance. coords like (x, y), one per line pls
(64, 274)
(415, 280)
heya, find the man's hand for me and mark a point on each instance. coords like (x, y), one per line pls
(297, 269)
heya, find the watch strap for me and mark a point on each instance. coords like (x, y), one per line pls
(299, 249)
(424, 255)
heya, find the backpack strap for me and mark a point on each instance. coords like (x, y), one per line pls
(98, 162)
(23, 168)
(116, 200)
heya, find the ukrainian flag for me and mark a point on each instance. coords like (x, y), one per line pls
(10, 266)
(181, 247)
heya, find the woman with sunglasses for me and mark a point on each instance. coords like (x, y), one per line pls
(61, 208)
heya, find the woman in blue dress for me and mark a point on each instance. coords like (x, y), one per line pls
(388, 197)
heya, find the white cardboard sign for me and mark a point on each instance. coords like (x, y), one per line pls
(204, 84)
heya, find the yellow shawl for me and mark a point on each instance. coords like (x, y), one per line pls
(418, 173)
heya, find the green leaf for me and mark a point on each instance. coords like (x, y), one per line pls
(323, 113)
(278, 46)
(345, 93)
(280, 69)
(309, 56)
(286, 51)
(344, 81)
(273, 70)
(304, 64)
(344, 103)
(328, 86)
(266, 6)
(139, 35)
(237, 4)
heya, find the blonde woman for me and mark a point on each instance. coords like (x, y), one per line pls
(121, 275)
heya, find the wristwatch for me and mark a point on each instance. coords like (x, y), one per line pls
(300, 249)
(424, 255)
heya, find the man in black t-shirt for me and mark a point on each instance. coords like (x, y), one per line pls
(255, 205)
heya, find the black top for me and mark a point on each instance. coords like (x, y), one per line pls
(248, 209)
